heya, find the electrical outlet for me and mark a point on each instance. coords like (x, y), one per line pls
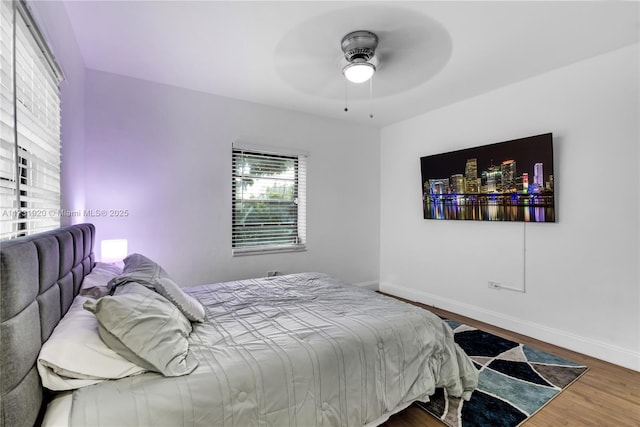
(494, 285)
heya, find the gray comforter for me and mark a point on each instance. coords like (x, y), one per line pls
(295, 350)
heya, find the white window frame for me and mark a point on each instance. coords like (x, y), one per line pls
(299, 241)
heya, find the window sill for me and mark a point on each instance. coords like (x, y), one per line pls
(267, 250)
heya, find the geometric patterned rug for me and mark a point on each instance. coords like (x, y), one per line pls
(515, 381)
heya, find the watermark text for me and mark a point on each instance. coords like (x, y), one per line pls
(63, 213)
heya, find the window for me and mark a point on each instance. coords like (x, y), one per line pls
(269, 202)
(29, 126)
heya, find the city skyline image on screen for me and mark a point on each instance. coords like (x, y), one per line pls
(505, 181)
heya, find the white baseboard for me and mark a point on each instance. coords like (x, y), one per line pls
(373, 285)
(585, 345)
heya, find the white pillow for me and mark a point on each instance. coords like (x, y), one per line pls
(145, 328)
(58, 410)
(95, 284)
(75, 356)
(140, 269)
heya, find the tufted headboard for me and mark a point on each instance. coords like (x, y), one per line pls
(40, 276)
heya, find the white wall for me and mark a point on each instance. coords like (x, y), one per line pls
(582, 277)
(164, 154)
(54, 24)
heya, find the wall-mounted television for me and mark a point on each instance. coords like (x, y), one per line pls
(505, 181)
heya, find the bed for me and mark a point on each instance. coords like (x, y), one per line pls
(298, 350)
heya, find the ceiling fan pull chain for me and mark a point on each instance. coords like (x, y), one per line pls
(346, 108)
(371, 97)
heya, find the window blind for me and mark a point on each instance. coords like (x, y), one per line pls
(29, 125)
(269, 202)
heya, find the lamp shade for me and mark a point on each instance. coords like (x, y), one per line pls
(359, 72)
(113, 251)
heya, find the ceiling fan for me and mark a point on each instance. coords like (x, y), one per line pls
(400, 46)
(359, 48)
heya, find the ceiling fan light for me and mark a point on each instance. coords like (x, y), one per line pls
(359, 72)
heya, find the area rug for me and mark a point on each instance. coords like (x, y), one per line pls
(515, 381)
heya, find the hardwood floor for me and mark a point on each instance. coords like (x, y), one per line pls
(606, 396)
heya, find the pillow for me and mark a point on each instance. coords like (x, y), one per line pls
(96, 283)
(75, 356)
(146, 329)
(140, 269)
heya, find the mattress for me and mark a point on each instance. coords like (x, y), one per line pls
(294, 350)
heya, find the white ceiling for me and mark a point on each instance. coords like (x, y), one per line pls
(286, 54)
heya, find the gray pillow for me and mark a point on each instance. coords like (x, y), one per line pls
(140, 269)
(146, 329)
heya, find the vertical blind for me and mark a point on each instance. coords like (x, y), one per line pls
(269, 202)
(29, 126)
